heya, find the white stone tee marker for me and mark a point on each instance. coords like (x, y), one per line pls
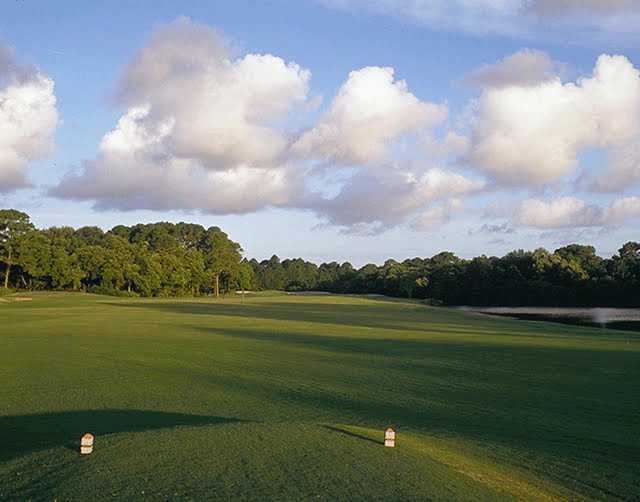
(390, 437)
(86, 444)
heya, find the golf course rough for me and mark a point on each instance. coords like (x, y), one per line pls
(288, 397)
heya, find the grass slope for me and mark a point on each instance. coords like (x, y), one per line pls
(285, 398)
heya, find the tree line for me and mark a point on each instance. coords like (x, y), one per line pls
(159, 259)
(572, 275)
(184, 259)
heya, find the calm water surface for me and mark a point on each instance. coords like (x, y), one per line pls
(603, 317)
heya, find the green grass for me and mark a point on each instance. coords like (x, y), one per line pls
(286, 398)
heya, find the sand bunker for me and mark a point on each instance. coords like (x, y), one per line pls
(16, 299)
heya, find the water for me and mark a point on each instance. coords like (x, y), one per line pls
(612, 318)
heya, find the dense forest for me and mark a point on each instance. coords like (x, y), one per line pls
(184, 259)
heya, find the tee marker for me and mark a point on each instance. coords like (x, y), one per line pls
(86, 444)
(390, 437)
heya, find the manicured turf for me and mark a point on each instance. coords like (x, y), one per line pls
(286, 397)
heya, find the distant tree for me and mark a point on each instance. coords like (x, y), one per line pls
(245, 277)
(121, 231)
(274, 275)
(14, 225)
(34, 252)
(66, 271)
(221, 256)
(148, 281)
(626, 264)
(91, 236)
(195, 264)
(189, 235)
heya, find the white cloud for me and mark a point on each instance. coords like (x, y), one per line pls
(570, 212)
(566, 212)
(221, 109)
(531, 135)
(28, 119)
(373, 200)
(527, 67)
(198, 133)
(370, 111)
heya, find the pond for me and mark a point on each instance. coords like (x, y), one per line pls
(611, 318)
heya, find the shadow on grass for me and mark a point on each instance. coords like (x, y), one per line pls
(351, 434)
(23, 434)
(369, 316)
(456, 355)
(397, 316)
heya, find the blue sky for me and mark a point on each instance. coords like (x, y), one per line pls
(473, 74)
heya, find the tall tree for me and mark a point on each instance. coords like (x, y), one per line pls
(14, 225)
(221, 255)
(245, 277)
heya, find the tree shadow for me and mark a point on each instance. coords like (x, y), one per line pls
(396, 316)
(349, 433)
(22, 434)
(367, 316)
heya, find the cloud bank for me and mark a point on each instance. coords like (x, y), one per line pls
(28, 119)
(203, 131)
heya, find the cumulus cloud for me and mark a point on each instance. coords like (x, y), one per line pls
(532, 135)
(220, 108)
(527, 67)
(570, 212)
(373, 200)
(198, 132)
(28, 119)
(370, 111)
(135, 169)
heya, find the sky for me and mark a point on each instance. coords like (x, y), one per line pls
(354, 130)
